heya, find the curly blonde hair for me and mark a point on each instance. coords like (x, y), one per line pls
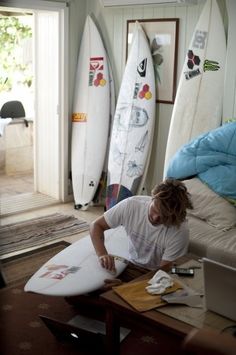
(173, 199)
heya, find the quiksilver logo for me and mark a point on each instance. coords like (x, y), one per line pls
(142, 68)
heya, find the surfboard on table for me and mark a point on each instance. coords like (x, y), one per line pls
(76, 270)
(90, 117)
(198, 104)
(133, 124)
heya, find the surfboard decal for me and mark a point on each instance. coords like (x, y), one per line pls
(134, 169)
(194, 61)
(115, 194)
(96, 72)
(79, 117)
(142, 143)
(142, 68)
(58, 272)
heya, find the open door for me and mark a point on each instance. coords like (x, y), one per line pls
(50, 104)
(50, 42)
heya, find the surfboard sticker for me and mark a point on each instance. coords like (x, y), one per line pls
(133, 124)
(96, 72)
(58, 272)
(90, 117)
(194, 61)
(79, 117)
(199, 98)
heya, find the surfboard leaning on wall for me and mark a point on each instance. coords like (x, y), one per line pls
(133, 125)
(199, 98)
(90, 117)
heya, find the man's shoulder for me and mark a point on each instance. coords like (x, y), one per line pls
(139, 198)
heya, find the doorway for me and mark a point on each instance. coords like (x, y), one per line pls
(50, 124)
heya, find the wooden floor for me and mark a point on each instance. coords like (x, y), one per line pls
(12, 189)
(11, 185)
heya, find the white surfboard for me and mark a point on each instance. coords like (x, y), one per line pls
(76, 270)
(198, 104)
(99, 196)
(91, 115)
(133, 125)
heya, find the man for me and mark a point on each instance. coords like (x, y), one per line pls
(156, 227)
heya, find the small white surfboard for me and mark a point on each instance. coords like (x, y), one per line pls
(133, 125)
(198, 104)
(100, 194)
(76, 270)
(91, 116)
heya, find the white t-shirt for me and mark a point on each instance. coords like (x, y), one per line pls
(148, 244)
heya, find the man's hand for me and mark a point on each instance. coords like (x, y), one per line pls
(107, 261)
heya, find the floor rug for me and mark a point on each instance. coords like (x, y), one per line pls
(38, 231)
(22, 267)
(23, 332)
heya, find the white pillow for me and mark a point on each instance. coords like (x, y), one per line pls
(209, 206)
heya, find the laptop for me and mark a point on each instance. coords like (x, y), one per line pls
(85, 333)
(89, 342)
(220, 288)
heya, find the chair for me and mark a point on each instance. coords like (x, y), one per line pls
(13, 109)
(209, 342)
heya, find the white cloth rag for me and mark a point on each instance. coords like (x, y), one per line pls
(159, 283)
(3, 123)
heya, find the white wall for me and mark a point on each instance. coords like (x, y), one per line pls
(112, 23)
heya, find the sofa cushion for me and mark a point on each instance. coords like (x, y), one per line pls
(210, 242)
(209, 206)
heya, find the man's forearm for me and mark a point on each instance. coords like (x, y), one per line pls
(97, 237)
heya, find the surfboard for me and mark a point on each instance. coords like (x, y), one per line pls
(76, 270)
(100, 194)
(90, 117)
(198, 104)
(133, 124)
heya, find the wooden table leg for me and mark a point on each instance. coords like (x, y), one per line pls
(112, 333)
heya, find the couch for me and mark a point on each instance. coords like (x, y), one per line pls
(207, 164)
(212, 224)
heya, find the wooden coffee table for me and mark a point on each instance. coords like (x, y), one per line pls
(119, 313)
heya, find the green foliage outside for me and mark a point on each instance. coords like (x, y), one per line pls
(12, 32)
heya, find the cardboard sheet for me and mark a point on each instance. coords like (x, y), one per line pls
(135, 295)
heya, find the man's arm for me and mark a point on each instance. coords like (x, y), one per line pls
(97, 229)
